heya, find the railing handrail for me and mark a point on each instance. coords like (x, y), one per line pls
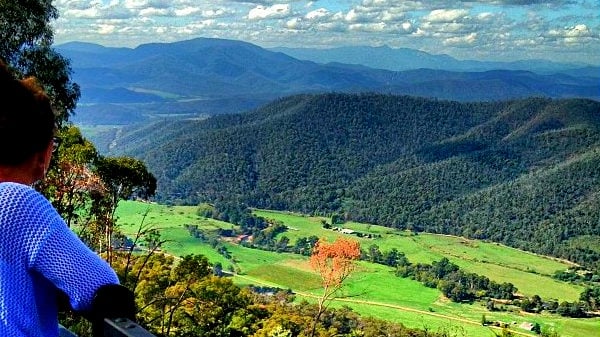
(113, 327)
(124, 327)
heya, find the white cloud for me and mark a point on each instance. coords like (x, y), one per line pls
(106, 29)
(420, 32)
(88, 13)
(400, 5)
(578, 31)
(333, 26)
(151, 11)
(195, 27)
(95, 10)
(294, 23)
(461, 41)
(317, 14)
(352, 16)
(454, 27)
(73, 4)
(446, 15)
(135, 4)
(186, 11)
(375, 3)
(485, 17)
(486, 26)
(392, 15)
(572, 35)
(275, 11)
(214, 13)
(301, 25)
(140, 4)
(368, 27)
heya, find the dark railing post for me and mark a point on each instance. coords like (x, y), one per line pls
(64, 332)
(124, 327)
(112, 314)
(113, 327)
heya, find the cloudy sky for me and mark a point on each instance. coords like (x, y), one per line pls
(560, 30)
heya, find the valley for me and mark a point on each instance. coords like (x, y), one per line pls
(489, 169)
(373, 289)
(522, 173)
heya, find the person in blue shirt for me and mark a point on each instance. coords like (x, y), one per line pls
(40, 257)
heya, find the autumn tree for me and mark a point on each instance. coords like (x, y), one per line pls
(334, 262)
(71, 181)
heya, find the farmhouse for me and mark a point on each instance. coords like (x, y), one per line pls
(243, 238)
(526, 326)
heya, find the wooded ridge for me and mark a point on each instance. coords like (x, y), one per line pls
(522, 172)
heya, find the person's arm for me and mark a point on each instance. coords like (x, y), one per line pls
(72, 267)
(83, 279)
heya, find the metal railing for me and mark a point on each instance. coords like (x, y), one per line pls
(124, 327)
(114, 327)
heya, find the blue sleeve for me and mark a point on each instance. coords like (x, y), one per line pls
(69, 264)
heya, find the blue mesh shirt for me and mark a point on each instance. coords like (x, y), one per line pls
(38, 254)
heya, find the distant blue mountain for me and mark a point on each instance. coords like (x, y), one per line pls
(400, 59)
(215, 76)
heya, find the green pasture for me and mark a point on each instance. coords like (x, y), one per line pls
(170, 220)
(530, 273)
(374, 290)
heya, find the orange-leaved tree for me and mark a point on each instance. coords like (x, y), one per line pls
(334, 262)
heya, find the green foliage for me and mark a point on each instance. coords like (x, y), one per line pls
(454, 283)
(191, 267)
(125, 177)
(26, 37)
(591, 296)
(549, 332)
(296, 153)
(207, 210)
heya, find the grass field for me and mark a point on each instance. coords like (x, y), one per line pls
(373, 290)
(528, 272)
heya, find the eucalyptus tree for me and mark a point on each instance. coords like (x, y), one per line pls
(122, 178)
(26, 38)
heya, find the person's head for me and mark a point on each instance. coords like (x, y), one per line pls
(27, 122)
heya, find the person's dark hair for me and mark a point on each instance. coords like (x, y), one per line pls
(26, 118)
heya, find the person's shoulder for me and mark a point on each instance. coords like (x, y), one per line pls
(15, 191)
(16, 187)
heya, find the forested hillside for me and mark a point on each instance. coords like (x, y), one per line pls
(521, 172)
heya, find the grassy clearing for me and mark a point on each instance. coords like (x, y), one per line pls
(530, 273)
(374, 290)
(170, 220)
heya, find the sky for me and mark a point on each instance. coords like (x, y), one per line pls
(496, 30)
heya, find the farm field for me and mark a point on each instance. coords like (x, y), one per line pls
(374, 290)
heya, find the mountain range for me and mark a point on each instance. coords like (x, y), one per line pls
(400, 59)
(202, 77)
